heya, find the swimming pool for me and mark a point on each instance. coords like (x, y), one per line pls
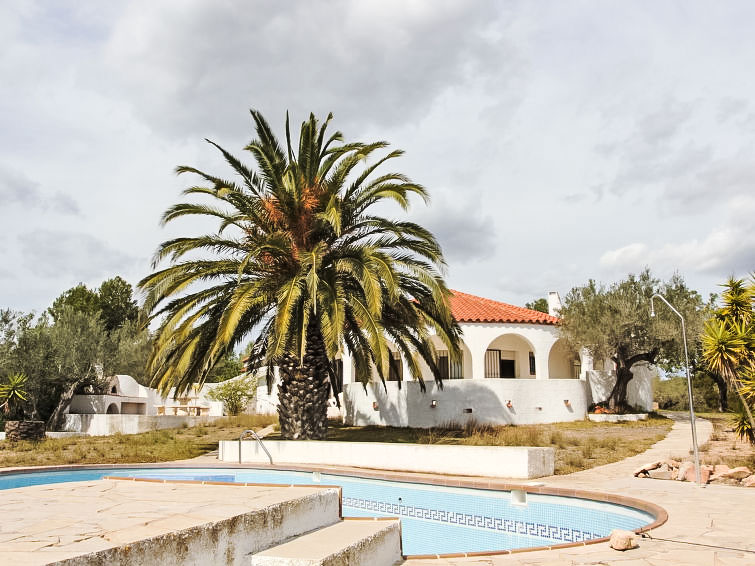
(435, 519)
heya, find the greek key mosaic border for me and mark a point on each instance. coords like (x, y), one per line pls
(564, 534)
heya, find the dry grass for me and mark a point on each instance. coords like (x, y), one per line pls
(154, 446)
(724, 447)
(579, 445)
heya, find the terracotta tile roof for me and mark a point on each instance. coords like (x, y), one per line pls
(470, 308)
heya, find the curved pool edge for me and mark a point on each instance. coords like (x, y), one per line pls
(493, 484)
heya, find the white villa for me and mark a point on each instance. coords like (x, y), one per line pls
(516, 369)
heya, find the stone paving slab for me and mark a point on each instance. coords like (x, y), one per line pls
(48, 523)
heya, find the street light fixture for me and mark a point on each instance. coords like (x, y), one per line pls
(698, 476)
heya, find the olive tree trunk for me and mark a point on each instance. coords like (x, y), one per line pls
(303, 391)
(617, 400)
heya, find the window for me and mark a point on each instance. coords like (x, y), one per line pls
(395, 367)
(338, 368)
(493, 363)
(532, 363)
(576, 369)
(449, 369)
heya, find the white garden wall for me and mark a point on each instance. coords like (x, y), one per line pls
(103, 425)
(494, 461)
(532, 401)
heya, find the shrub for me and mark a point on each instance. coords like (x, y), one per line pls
(235, 394)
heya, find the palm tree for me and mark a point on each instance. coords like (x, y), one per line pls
(729, 341)
(302, 260)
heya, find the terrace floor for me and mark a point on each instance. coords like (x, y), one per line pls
(128, 522)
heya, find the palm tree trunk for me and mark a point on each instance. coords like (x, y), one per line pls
(304, 389)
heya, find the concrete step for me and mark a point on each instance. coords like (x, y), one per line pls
(351, 542)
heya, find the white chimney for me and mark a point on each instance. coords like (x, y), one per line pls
(554, 303)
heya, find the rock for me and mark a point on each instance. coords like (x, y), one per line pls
(736, 473)
(683, 468)
(672, 463)
(646, 468)
(749, 481)
(691, 476)
(719, 469)
(623, 540)
(660, 474)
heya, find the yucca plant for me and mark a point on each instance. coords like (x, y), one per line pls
(303, 261)
(729, 346)
(13, 395)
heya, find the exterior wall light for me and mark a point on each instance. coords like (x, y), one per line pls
(468, 410)
(375, 406)
(509, 404)
(433, 403)
(566, 402)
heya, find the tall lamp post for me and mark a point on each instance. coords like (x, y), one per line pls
(689, 383)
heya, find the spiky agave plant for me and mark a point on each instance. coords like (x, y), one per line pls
(13, 395)
(301, 261)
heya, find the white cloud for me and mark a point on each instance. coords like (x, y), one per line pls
(62, 255)
(725, 250)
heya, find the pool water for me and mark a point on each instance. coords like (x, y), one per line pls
(434, 519)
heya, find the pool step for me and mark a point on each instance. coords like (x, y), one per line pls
(350, 542)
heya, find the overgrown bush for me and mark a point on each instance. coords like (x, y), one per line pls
(235, 394)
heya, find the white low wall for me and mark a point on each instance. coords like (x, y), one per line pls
(532, 401)
(519, 462)
(103, 425)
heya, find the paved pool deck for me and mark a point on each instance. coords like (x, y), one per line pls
(710, 526)
(122, 521)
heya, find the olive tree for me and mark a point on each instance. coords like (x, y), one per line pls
(614, 322)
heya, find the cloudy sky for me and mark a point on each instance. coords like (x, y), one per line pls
(560, 141)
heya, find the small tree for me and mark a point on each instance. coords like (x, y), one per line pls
(235, 393)
(614, 322)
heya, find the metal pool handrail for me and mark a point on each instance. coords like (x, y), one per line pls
(259, 441)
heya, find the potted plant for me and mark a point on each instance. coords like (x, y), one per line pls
(13, 396)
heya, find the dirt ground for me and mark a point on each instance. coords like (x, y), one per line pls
(724, 447)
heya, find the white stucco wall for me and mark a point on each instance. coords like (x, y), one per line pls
(532, 402)
(98, 404)
(495, 461)
(104, 425)
(139, 399)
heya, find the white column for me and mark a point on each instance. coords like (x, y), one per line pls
(478, 363)
(541, 362)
